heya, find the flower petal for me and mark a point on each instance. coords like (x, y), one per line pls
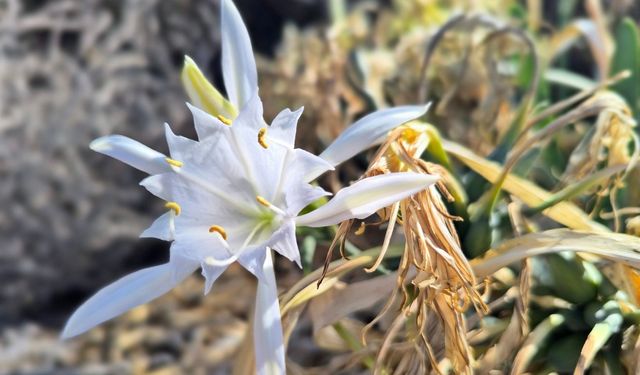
(267, 327)
(312, 165)
(198, 244)
(366, 197)
(205, 124)
(283, 127)
(238, 64)
(131, 152)
(299, 196)
(370, 131)
(202, 93)
(252, 260)
(211, 274)
(162, 228)
(159, 185)
(250, 116)
(179, 146)
(284, 242)
(128, 292)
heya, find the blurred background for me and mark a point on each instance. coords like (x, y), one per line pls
(72, 71)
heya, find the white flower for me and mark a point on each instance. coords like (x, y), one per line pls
(236, 193)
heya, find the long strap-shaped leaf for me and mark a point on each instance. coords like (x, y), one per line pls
(621, 248)
(565, 213)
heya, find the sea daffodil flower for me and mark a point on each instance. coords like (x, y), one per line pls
(237, 193)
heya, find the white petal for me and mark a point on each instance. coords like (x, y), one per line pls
(205, 124)
(284, 242)
(238, 64)
(179, 146)
(366, 197)
(182, 265)
(211, 274)
(198, 243)
(159, 185)
(252, 260)
(283, 127)
(369, 131)
(301, 195)
(267, 327)
(162, 228)
(312, 165)
(131, 152)
(251, 115)
(264, 164)
(128, 292)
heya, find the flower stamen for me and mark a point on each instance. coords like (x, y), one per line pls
(262, 201)
(224, 120)
(211, 261)
(218, 229)
(174, 162)
(270, 206)
(261, 138)
(174, 206)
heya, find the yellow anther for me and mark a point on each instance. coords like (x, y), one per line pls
(218, 229)
(261, 134)
(224, 120)
(173, 162)
(361, 230)
(263, 201)
(173, 206)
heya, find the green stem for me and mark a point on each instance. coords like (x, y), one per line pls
(354, 344)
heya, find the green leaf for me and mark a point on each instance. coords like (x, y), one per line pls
(569, 79)
(627, 57)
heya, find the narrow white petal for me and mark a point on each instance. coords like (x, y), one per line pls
(250, 116)
(131, 152)
(211, 274)
(284, 242)
(370, 131)
(267, 327)
(252, 260)
(183, 266)
(366, 197)
(179, 146)
(283, 127)
(205, 124)
(312, 165)
(238, 64)
(162, 228)
(299, 196)
(130, 291)
(159, 185)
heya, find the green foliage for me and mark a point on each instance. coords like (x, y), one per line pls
(627, 57)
